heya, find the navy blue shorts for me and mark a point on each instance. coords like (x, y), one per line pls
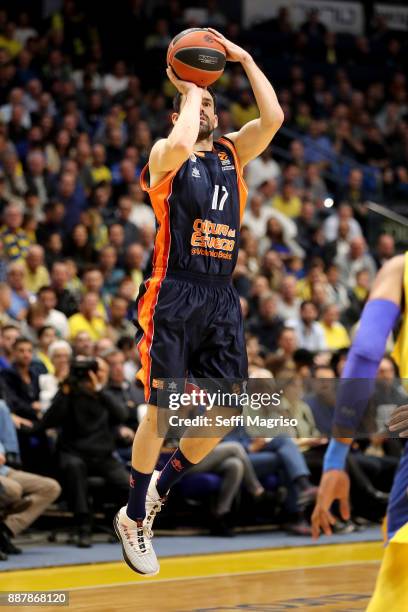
(189, 327)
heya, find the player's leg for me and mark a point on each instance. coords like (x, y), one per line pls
(163, 354)
(392, 582)
(145, 451)
(218, 361)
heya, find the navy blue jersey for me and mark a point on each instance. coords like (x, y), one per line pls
(198, 210)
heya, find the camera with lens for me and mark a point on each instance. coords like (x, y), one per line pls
(80, 369)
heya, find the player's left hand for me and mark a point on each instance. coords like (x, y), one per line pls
(234, 52)
(399, 421)
(334, 485)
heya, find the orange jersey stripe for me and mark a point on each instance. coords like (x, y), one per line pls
(242, 186)
(159, 196)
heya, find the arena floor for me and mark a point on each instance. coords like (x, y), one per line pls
(310, 578)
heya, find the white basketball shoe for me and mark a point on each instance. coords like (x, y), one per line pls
(136, 540)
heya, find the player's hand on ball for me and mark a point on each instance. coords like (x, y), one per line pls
(334, 485)
(234, 52)
(399, 421)
(182, 86)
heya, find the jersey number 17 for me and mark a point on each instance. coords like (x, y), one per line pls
(219, 205)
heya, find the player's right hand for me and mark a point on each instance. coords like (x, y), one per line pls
(334, 485)
(182, 86)
(399, 421)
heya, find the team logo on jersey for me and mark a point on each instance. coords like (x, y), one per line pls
(195, 172)
(157, 383)
(226, 163)
(212, 239)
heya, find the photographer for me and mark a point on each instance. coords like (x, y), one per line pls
(86, 416)
(129, 396)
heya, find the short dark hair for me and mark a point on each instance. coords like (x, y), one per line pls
(22, 340)
(45, 289)
(178, 96)
(306, 303)
(43, 329)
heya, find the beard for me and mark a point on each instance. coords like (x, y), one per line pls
(206, 129)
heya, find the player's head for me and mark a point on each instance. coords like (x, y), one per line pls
(208, 112)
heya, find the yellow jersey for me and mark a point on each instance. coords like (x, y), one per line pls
(400, 352)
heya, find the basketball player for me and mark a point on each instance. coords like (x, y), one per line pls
(380, 315)
(189, 316)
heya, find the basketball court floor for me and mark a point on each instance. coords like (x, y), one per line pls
(335, 577)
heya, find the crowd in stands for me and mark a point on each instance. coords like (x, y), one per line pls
(77, 233)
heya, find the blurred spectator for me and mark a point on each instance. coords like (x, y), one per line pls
(59, 354)
(310, 334)
(66, 299)
(83, 344)
(124, 213)
(73, 198)
(21, 381)
(356, 260)
(46, 336)
(262, 169)
(92, 281)
(20, 296)
(355, 194)
(88, 318)
(12, 235)
(141, 215)
(112, 275)
(336, 290)
(48, 299)
(52, 222)
(36, 274)
(85, 414)
(385, 249)
(317, 146)
(331, 226)
(99, 170)
(117, 81)
(288, 202)
(288, 302)
(335, 333)
(37, 491)
(287, 344)
(37, 176)
(118, 325)
(8, 335)
(267, 324)
(129, 396)
(5, 303)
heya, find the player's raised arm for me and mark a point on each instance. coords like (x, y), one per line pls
(255, 135)
(169, 153)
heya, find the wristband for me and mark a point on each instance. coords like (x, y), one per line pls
(335, 455)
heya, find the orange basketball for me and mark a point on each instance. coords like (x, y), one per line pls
(196, 56)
